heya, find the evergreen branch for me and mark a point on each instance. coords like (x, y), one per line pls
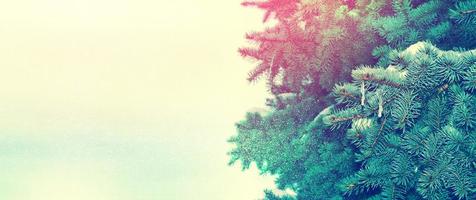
(380, 131)
(334, 119)
(368, 77)
(390, 76)
(342, 119)
(468, 11)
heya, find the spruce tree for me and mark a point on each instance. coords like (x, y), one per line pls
(412, 126)
(402, 127)
(312, 44)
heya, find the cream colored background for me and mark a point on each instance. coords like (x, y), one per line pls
(115, 99)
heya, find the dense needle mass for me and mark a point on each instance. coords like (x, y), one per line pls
(362, 109)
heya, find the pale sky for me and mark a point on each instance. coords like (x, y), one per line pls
(124, 99)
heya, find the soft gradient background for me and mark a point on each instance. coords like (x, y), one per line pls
(123, 100)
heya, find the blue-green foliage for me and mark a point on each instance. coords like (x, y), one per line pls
(445, 23)
(388, 136)
(402, 129)
(301, 156)
(421, 140)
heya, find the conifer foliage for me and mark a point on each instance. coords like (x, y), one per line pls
(412, 138)
(362, 109)
(312, 44)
